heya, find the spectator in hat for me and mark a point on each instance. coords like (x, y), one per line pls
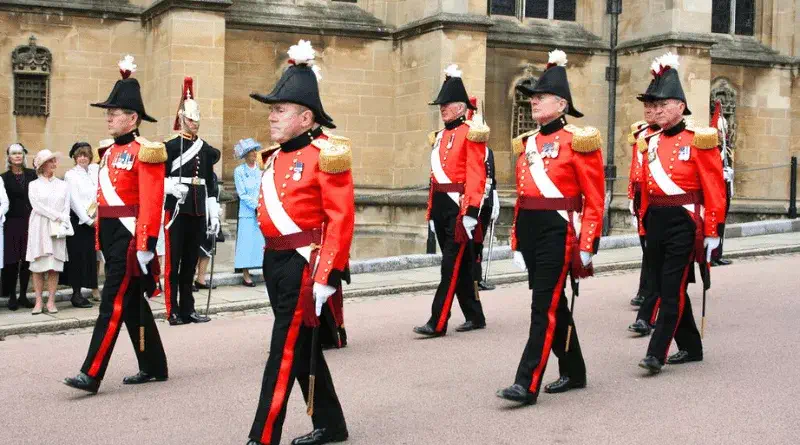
(48, 227)
(249, 241)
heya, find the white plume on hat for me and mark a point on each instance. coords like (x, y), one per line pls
(669, 60)
(126, 64)
(302, 53)
(452, 71)
(557, 57)
(655, 67)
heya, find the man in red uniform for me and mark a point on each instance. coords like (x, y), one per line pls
(558, 221)
(458, 178)
(129, 201)
(646, 298)
(683, 203)
(306, 212)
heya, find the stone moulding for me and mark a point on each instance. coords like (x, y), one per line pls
(544, 35)
(748, 51)
(161, 6)
(103, 9)
(682, 39)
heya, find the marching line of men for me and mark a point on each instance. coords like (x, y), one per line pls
(677, 198)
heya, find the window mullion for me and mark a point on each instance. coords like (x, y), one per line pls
(733, 17)
(551, 9)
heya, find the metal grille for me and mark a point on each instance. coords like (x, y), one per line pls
(31, 95)
(721, 90)
(522, 118)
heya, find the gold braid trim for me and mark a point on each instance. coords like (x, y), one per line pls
(518, 143)
(637, 126)
(151, 152)
(335, 155)
(432, 137)
(705, 137)
(641, 145)
(584, 139)
(477, 132)
(264, 154)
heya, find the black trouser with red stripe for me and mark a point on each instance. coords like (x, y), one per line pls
(182, 239)
(670, 247)
(542, 239)
(290, 354)
(716, 254)
(457, 279)
(122, 301)
(649, 308)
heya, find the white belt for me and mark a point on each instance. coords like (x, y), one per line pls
(193, 181)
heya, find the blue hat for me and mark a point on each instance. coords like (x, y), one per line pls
(245, 146)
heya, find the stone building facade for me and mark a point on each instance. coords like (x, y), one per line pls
(382, 63)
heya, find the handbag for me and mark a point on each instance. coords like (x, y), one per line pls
(61, 229)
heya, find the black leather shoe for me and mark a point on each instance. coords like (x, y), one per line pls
(682, 357)
(641, 327)
(200, 285)
(254, 442)
(175, 320)
(564, 384)
(83, 382)
(142, 377)
(651, 364)
(12, 304)
(80, 301)
(470, 326)
(721, 262)
(428, 330)
(516, 393)
(322, 435)
(24, 302)
(194, 317)
(485, 285)
(637, 300)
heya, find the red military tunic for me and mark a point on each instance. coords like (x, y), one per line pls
(319, 196)
(575, 168)
(133, 167)
(636, 174)
(688, 160)
(462, 151)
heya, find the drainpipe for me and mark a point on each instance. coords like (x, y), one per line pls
(614, 8)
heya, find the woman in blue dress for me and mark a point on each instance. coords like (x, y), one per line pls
(249, 241)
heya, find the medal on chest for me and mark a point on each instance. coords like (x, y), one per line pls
(123, 161)
(534, 158)
(652, 154)
(450, 141)
(684, 153)
(297, 168)
(550, 150)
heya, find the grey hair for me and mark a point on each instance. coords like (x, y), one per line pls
(16, 146)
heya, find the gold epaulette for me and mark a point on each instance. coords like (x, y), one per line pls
(705, 137)
(518, 143)
(584, 139)
(478, 132)
(151, 152)
(432, 137)
(636, 128)
(641, 145)
(335, 155)
(265, 153)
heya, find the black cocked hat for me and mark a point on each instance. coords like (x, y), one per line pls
(126, 93)
(666, 82)
(453, 89)
(552, 81)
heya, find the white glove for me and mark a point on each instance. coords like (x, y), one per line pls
(519, 261)
(586, 258)
(212, 207)
(176, 189)
(495, 207)
(469, 224)
(710, 244)
(321, 294)
(144, 257)
(727, 174)
(630, 207)
(432, 226)
(89, 222)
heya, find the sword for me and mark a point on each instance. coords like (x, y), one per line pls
(312, 365)
(211, 279)
(176, 212)
(705, 274)
(575, 285)
(491, 247)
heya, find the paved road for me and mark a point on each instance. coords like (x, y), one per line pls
(397, 389)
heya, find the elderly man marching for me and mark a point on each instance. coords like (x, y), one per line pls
(129, 201)
(646, 297)
(458, 178)
(191, 207)
(683, 203)
(557, 226)
(306, 212)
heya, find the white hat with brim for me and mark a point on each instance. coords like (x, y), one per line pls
(42, 157)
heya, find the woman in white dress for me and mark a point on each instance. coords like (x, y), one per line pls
(47, 228)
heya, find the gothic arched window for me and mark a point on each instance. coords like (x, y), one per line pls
(31, 64)
(521, 117)
(722, 91)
